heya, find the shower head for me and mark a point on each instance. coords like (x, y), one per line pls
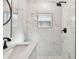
(60, 3)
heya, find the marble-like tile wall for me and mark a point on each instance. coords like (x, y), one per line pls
(69, 23)
(68, 39)
(49, 39)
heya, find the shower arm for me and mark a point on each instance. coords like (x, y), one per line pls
(62, 2)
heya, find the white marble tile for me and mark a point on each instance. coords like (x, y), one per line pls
(42, 57)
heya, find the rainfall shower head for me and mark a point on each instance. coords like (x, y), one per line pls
(60, 3)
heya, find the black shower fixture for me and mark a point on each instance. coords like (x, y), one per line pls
(60, 3)
(5, 42)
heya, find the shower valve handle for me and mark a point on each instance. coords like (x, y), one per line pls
(65, 30)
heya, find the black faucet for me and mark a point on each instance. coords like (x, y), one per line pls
(5, 40)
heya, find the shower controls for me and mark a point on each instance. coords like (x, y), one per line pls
(65, 30)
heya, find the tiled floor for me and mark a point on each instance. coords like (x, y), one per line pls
(49, 57)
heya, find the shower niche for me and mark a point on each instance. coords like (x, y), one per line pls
(44, 20)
